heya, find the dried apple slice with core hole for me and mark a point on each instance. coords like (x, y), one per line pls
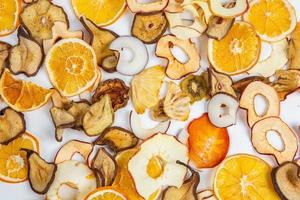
(247, 101)
(262, 145)
(136, 7)
(218, 9)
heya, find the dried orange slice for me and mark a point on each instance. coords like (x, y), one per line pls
(105, 193)
(72, 66)
(237, 52)
(273, 20)
(110, 10)
(9, 16)
(13, 162)
(21, 95)
(242, 177)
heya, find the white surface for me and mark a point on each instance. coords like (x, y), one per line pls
(39, 122)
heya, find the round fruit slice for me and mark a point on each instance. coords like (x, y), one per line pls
(237, 52)
(13, 162)
(9, 16)
(273, 20)
(110, 10)
(22, 96)
(107, 193)
(72, 66)
(242, 177)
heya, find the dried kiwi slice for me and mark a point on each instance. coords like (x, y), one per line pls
(196, 87)
(149, 27)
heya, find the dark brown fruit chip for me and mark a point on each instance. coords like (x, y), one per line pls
(218, 27)
(12, 124)
(78, 110)
(4, 53)
(118, 139)
(149, 27)
(109, 63)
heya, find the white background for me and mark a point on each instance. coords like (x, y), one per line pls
(39, 122)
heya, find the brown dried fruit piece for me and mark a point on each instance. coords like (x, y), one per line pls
(219, 82)
(78, 110)
(60, 101)
(149, 27)
(40, 173)
(218, 27)
(116, 89)
(4, 53)
(27, 56)
(240, 86)
(38, 18)
(12, 124)
(157, 112)
(206, 195)
(61, 118)
(117, 138)
(294, 48)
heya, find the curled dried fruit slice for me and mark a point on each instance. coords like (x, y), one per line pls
(12, 125)
(4, 53)
(60, 101)
(218, 9)
(27, 56)
(61, 118)
(206, 195)
(294, 48)
(78, 110)
(219, 27)
(240, 86)
(136, 7)
(117, 138)
(116, 89)
(247, 101)
(176, 69)
(149, 27)
(157, 112)
(262, 145)
(38, 18)
(109, 63)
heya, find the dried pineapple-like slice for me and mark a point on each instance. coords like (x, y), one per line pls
(177, 103)
(145, 88)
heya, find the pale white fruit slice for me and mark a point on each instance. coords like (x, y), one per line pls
(218, 8)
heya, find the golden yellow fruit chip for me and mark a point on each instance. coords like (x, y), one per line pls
(9, 16)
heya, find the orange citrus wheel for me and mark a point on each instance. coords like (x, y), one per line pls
(13, 162)
(72, 66)
(273, 20)
(243, 177)
(21, 95)
(101, 12)
(105, 193)
(9, 16)
(237, 52)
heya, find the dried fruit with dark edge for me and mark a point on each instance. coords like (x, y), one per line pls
(109, 63)
(78, 110)
(218, 27)
(136, 7)
(61, 118)
(60, 101)
(240, 86)
(157, 112)
(4, 53)
(294, 48)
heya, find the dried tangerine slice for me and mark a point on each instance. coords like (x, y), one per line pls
(13, 162)
(105, 193)
(237, 52)
(20, 95)
(72, 66)
(273, 20)
(9, 16)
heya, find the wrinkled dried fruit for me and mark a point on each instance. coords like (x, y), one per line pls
(61, 118)
(106, 165)
(176, 69)
(60, 101)
(38, 18)
(149, 27)
(294, 48)
(4, 53)
(206, 195)
(157, 112)
(116, 89)
(98, 117)
(174, 6)
(240, 86)
(117, 139)
(78, 110)
(218, 27)
(136, 7)
(109, 63)
(220, 10)
(12, 125)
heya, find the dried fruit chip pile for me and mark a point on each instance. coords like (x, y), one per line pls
(142, 162)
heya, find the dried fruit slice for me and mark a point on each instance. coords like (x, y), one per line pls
(218, 9)
(206, 195)
(72, 66)
(157, 112)
(220, 83)
(78, 110)
(294, 48)
(38, 18)
(22, 96)
(61, 118)
(107, 193)
(241, 44)
(110, 10)
(219, 27)
(13, 165)
(242, 177)
(136, 7)
(272, 20)
(145, 88)
(9, 16)
(208, 145)
(149, 27)
(174, 6)
(27, 56)
(176, 69)
(12, 125)
(4, 53)
(240, 86)
(263, 146)
(60, 101)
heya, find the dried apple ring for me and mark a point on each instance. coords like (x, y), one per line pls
(268, 92)
(137, 7)
(218, 9)
(261, 144)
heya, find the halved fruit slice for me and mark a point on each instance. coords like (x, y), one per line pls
(242, 177)
(22, 96)
(13, 162)
(72, 66)
(273, 20)
(105, 193)
(9, 16)
(237, 52)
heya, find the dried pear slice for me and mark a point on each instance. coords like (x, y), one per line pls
(218, 27)
(12, 125)
(78, 110)
(117, 138)
(98, 117)
(157, 112)
(4, 53)
(149, 27)
(61, 118)
(145, 88)
(38, 18)
(26, 57)
(176, 103)
(60, 101)
(109, 63)
(40, 173)
(294, 48)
